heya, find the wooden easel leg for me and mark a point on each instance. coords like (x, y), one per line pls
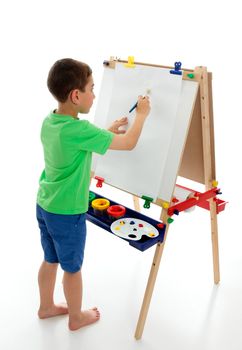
(149, 291)
(209, 159)
(150, 285)
(136, 203)
(214, 234)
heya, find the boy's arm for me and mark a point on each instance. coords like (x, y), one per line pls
(129, 139)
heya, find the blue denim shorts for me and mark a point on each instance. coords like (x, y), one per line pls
(63, 238)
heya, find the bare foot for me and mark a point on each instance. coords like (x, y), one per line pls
(55, 310)
(86, 317)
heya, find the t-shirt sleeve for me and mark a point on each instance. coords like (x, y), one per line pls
(89, 137)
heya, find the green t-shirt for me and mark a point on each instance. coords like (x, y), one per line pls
(68, 144)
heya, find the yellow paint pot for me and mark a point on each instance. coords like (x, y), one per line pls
(100, 206)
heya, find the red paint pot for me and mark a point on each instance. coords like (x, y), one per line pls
(116, 212)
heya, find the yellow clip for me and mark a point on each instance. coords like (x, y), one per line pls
(165, 205)
(130, 63)
(214, 183)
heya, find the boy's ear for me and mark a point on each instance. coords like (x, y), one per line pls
(75, 96)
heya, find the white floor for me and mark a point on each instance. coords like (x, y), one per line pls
(187, 310)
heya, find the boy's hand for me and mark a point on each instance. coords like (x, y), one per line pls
(143, 106)
(117, 124)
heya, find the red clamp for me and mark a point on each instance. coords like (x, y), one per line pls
(100, 181)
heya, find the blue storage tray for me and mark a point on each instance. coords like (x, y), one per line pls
(105, 222)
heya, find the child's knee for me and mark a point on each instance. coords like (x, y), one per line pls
(50, 265)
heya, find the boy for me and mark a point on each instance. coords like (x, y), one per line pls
(62, 198)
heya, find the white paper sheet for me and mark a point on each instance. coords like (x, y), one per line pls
(139, 171)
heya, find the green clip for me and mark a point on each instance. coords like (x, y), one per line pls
(170, 220)
(148, 200)
(190, 75)
(92, 196)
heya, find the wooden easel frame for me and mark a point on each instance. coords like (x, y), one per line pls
(197, 163)
(207, 176)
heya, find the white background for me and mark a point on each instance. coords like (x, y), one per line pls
(187, 310)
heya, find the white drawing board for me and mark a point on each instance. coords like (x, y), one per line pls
(151, 168)
(178, 138)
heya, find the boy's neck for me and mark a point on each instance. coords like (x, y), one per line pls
(66, 109)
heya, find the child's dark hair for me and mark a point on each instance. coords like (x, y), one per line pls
(66, 75)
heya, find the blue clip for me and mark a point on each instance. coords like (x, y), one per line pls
(177, 69)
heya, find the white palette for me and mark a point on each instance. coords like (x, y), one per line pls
(133, 229)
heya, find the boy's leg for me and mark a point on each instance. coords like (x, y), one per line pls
(46, 279)
(73, 292)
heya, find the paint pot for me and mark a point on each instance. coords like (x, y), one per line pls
(191, 195)
(116, 212)
(100, 206)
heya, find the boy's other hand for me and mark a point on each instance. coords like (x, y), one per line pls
(117, 124)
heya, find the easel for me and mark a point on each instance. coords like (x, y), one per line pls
(197, 163)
